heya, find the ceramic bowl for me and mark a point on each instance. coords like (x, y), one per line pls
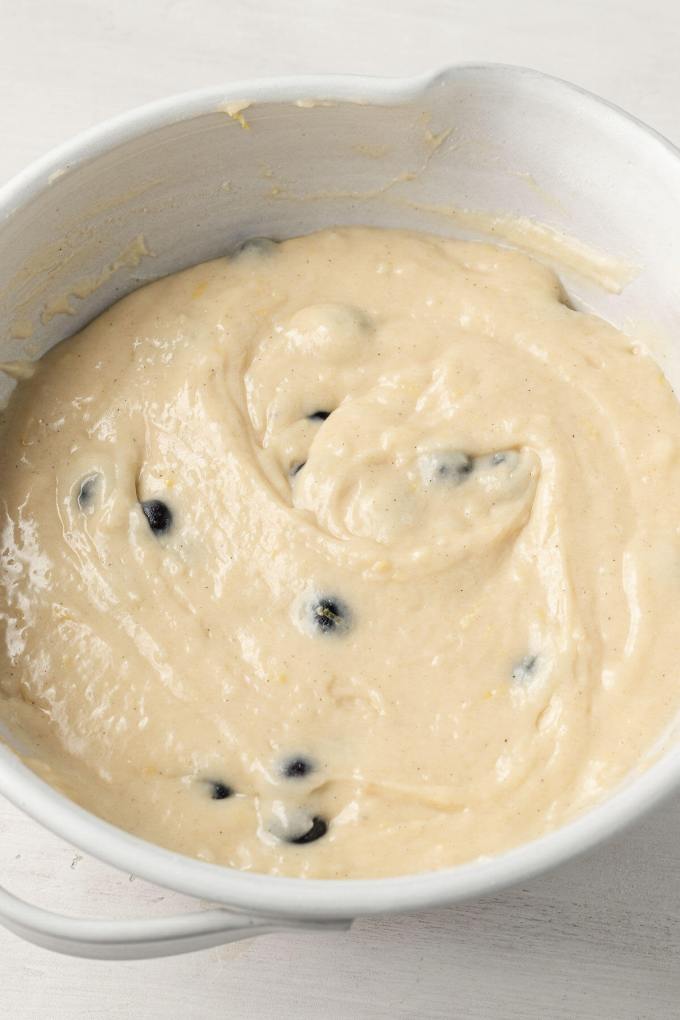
(186, 179)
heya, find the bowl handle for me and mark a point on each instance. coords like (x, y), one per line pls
(137, 940)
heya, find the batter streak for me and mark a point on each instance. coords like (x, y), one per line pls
(353, 555)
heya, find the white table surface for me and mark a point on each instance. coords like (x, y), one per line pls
(598, 939)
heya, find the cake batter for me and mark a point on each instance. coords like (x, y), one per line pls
(348, 556)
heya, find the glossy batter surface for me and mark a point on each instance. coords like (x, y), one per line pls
(353, 555)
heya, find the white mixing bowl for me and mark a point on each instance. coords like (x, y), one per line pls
(187, 178)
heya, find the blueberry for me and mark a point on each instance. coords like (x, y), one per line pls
(297, 768)
(330, 615)
(455, 467)
(448, 466)
(317, 829)
(319, 415)
(508, 457)
(87, 492)
(157, 514)
(257, 246)
(296, 467)
(524, 670)
(220, 791)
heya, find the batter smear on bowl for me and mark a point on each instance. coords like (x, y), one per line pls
(348, 556)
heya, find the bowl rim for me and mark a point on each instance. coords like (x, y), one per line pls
(351, 88)
(328, 898)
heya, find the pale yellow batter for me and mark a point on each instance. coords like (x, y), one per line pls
(349, 556)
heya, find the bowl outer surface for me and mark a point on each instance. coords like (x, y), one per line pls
(186, 179)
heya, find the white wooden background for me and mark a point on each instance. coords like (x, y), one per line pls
(599, 939)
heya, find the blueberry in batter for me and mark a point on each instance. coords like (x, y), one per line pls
(87, 492)
(297, 768)
(220, 791)
(525, 669)
(257, 246)
(330, 615)
(447, 466)
(317, 829)
(157, 514)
